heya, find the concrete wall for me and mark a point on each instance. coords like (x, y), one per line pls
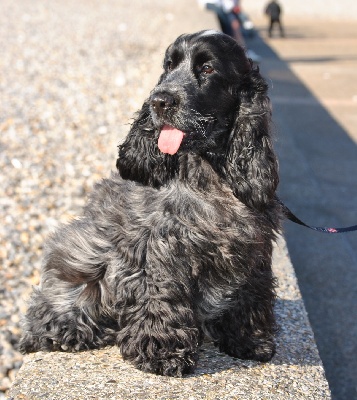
(328, 9)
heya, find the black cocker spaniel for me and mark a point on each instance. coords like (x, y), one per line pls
(178, 243)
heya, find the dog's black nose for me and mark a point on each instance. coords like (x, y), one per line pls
(161, 102)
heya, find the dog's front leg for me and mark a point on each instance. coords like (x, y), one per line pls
(158, 332)
(247, 329)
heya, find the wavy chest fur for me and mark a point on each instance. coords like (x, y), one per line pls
(194, 223)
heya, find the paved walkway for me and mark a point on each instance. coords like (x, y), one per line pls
(313, 73)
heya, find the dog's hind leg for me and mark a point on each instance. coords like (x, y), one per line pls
(71, 309)
(58, 320)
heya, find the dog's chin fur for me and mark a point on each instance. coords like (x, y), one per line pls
(174, 247)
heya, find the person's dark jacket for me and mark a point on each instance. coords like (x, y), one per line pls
(273, 10)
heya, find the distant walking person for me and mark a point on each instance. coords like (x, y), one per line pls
(273, 10)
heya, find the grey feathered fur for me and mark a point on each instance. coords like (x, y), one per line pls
(174, 247)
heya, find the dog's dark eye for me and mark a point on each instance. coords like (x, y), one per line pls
(207, 69)
(168, 65)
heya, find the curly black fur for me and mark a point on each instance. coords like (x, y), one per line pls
(173, 247)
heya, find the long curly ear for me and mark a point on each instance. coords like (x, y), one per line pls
(251, 165)
(140, 159)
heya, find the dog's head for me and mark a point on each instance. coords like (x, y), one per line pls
(210, 101)
(195, 102)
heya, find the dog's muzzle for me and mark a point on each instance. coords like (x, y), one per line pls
(162, 102)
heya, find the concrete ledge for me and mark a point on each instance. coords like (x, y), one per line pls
(295, 372)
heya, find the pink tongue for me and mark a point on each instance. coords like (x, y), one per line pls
(170, 139)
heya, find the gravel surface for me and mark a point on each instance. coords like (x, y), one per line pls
(72, 74)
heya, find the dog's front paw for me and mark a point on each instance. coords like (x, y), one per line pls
(262, 350)
(165, 362)
(171, 352)
(171, 365)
